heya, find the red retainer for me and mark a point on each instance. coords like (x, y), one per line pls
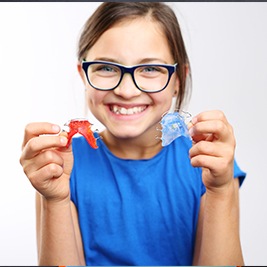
(83, 127)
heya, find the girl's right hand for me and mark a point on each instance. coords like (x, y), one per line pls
(46, 161)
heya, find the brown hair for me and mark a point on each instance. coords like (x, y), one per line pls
(109, 13)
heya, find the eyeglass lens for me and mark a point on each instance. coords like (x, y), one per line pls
(148, 78)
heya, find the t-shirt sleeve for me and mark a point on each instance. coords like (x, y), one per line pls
(238, 173)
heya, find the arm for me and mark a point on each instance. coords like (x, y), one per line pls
(58, 235)
(48, 163)
(217, 240)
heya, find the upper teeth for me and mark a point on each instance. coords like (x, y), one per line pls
(127, 111)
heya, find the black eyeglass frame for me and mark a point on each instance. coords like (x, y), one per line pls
(128, 69)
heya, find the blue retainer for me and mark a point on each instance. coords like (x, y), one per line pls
(173, 126)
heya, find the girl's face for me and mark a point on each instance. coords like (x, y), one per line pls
(126, 112)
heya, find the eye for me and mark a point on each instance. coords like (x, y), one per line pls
(150, 69)
(105, 68)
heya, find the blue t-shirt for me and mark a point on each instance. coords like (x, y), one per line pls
(137, 212)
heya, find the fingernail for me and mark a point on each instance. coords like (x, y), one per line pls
(55, 128)
(191, 131)
(194, 120)
(63, 140)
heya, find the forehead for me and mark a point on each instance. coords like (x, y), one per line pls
(148, 20)
(133, 37)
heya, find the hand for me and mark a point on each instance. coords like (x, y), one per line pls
(213, 148)
(46, 161)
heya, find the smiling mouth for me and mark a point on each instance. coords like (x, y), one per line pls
(126, 111)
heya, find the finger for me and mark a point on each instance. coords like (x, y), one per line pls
(210, 162)
(41, 160)
(209, 115)
(40, 177)
(204, 148)
(203, 117)
(190, 125)
(211, 149)
(212, 115)
(208, 130)
(65, 148)
(38, 128)
(218, 166)
(38, 144)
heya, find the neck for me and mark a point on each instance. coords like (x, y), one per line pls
(132, 148)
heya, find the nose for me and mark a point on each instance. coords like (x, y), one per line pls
(127, 89)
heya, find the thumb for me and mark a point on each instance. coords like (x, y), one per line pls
(68, 147)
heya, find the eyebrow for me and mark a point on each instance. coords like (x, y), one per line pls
(142, 61)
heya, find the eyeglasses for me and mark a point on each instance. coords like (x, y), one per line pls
(149, 78)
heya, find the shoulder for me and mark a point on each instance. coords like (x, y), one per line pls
(80, 144)
(177, 154)
(83, 153)
(179, 148)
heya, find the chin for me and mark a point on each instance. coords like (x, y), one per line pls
(133, 132)
(126, 135)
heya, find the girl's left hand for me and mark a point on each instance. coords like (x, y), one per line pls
(213, 148)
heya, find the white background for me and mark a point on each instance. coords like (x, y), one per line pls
(227, 45)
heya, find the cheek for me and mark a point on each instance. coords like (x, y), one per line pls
(167, 94)
(167, 97)
(163, 100)
(94, 97)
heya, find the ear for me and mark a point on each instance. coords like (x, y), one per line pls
(176, 86)
(81, 72)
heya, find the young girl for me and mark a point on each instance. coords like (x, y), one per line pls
(132, 201)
